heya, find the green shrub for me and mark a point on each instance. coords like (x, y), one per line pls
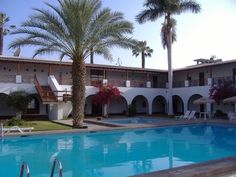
(15, 122)
(219, 113)
(131, 110)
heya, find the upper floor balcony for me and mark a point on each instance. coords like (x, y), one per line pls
(29, 78)
(115, 82)
(202, 82)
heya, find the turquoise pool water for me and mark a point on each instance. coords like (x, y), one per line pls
(137, 120)
(117, 153)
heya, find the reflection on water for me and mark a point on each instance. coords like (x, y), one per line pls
(117, 153)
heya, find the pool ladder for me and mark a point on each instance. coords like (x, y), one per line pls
(25, 167)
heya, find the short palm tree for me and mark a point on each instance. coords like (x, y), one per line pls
(155, 9)
(71, 29)
(140, 47)
(3, 29)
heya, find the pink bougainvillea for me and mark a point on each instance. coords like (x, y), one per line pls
(221, 90)
(105, 94)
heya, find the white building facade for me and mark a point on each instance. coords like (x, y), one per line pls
(49, 82)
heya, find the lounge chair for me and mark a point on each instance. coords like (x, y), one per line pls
(185, 116)
(17, 129)
(192, 115)
(231, 116)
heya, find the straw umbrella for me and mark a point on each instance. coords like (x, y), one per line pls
(230, 100)
(205, 100)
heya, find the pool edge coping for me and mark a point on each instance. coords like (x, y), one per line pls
(212, 168)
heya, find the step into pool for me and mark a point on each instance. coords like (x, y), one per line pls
(138, 120)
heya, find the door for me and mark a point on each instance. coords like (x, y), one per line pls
(96, 110)
(201, 79)
(234, 75)
(154, 81)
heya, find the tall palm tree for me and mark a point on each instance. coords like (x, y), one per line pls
(91, 56)
(164, 32)
(155, 9)
(140, 47)
(3, 29)
(71, 29)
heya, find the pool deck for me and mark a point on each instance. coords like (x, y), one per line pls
(225, 167)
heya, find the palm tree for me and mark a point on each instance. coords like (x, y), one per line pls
(155, 9)
(3, 29)
(71, 29)
(91, 56)
(140, 47)
(164, 32)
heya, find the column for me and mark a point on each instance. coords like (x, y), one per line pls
(56, 111)
(18, 75)
(127, 83)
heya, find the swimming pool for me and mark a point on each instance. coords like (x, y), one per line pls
(138, 120)
(117, 153)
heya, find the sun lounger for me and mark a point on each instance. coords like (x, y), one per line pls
(192, 115)
(17, 129)
(231, 116)
(185, 116)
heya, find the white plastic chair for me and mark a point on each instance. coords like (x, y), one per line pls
(192, 115)
(231, 116)
(185, 116)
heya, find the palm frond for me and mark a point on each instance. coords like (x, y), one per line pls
(165, 31)
(72, 28)
(190, 5)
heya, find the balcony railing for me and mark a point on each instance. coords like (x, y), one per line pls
(134, 83)
(95, 82)
(7, 78)
(216, 80)
(178, 84)
(117, 83)
(27, 78)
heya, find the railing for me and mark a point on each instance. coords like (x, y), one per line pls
(95, 82)
(117, 83)
(8, 78)
(68, 81)
(24, 167)
(178, 84)
(161, 85)
(56, 162)
(65, 81)
(27, 78)
(217, 80)
(37, 85)
(45, 95)
(134, 83)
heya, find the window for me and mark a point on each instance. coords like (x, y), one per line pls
(32, 104)
(144, 104)
(33, 107)
(97, 74)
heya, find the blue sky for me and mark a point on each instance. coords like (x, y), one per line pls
(212, 32)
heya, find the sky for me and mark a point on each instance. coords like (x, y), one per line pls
(211, 32)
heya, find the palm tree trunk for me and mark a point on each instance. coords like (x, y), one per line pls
(1, 40)
(170, 70)
(78, 91)
(143, 60)
(91, 55)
